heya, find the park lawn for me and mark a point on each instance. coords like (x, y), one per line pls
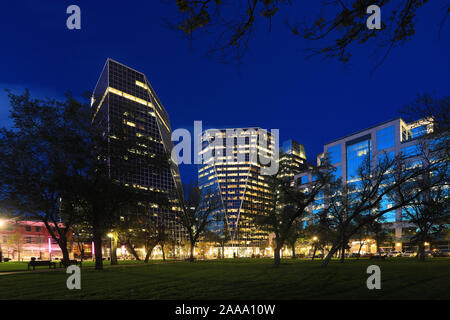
(403, 278)
(13, 266)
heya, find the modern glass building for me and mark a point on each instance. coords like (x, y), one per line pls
(125, 106)
(292, 159)
(390, 139)
(232, 170)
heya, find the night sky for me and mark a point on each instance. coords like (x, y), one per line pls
(312, 101)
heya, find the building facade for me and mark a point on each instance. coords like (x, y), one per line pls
(292, 159)
(22, 240)
(238, 180)
(125, 106)
(391, 139)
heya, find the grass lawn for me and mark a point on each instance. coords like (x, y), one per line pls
(23, 266)
(403, 278)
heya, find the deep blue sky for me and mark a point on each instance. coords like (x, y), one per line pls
(312, 101)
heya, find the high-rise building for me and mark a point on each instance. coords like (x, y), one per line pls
(232, 170)
(292, 159)
(391, 138)
(124, 105)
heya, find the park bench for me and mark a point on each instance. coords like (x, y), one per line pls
(71, 262)
(38, 263)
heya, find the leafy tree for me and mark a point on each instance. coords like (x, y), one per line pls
(197, 214)
(295, 232)
(318, 233)
(59, 166)
(81, 233)
(290, 204)
(37, 160)
(379, 233)
(220, 233)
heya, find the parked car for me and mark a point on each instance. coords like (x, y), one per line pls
(428, 253)
(441, 253)
(394, 254)
(408, 254)
(355, 255)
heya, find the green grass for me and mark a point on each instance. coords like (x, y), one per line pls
(240, 279)
(13, 266)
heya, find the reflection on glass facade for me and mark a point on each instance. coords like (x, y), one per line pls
(386, 157)
(238, 182)
(386, 138)
(338, 173)
(304, 180)
(334, 154)
(385, 204)
(411, 151)
(357, 153)
(359, 149)
(125, 106)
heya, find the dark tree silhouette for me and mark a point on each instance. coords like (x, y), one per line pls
(340, 24)
(37, 160)
(290, 204)
(197, 214)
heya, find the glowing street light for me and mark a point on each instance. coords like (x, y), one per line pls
(110, 235)
(2, 223)
(315, 238)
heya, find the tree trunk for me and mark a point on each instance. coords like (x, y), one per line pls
(421, 252)
(359, 251)
(330, 254)
(131, 249)
(98, 250)
(191, 256)
(314, 252)
(276, 255)
(342, 253)
(65, 252)
(163, 254)
(293, 252)
(114, 251)
(147, 256)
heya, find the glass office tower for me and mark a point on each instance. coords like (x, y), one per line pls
(124, 105)
(236, 178)
(292, 159)
(387, 139)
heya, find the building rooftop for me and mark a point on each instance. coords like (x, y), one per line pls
(368, 128)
